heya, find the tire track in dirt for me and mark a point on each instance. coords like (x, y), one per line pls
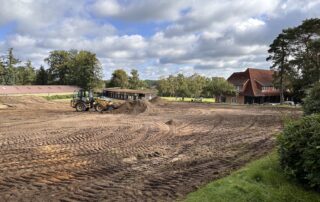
(157, 156)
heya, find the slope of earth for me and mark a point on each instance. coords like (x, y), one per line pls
(51, 153)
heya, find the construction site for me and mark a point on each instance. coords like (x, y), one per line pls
(153, 150)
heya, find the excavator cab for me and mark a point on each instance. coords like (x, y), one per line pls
(82, 100)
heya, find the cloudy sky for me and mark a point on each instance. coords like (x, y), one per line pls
(157, 37)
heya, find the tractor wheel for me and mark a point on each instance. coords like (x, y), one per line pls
(99, 108)
(81, 107)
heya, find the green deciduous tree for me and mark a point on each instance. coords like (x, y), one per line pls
(182, 88)
(81, 68)
(119, 79)
(135, 82)
(219, 87)
(60, 65)
(196, 85)
(25, 75)
(86, 70)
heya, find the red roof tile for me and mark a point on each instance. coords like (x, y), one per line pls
(258, 78)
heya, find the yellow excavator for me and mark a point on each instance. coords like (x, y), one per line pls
(84, 100)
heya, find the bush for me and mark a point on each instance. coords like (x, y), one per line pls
(300, 150)
(312, 102)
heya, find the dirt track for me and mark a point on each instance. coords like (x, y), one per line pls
(54, 153)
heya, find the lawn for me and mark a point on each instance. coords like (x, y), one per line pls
(261, 180)
(59, 97)
(208, 100)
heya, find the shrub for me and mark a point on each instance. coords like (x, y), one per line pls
(312, 102)
(299, 150)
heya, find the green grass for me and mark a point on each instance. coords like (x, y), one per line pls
(207, 100)
(58, 97)
(261, 180)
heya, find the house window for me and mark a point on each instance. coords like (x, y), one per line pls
(238, 88)
(268, 88)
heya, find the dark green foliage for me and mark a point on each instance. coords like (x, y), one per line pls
(86, 70)
(25, 75)
(295, 55)
(80, 68)
(135, 82)
(41, 76)
(119, 79)
(151, 83)
(194, 86)
(312, 102)
(299, 150)
(60, 67)
(8, 68)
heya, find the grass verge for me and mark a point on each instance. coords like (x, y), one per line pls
(188, 99)
(58, 97)
(261, 180)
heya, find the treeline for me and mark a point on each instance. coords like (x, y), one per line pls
(295, 55)
(194, 86)
(13, 72)
(81, 68)
(121, 79)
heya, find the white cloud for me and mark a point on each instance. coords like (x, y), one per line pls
(206, 36)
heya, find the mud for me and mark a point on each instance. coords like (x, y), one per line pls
(49, 152)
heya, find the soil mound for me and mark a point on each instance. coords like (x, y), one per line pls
(171, 122)
(157, 100)
(134, 107)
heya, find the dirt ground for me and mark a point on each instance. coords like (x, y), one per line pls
(49, 152)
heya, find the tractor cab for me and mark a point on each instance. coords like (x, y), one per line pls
(82, 100)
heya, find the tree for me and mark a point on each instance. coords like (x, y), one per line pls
(119, 79)
(218, 87)
(163, 87)
(172, 86)
(59, 62)
(2, 72)
(8, 66)
(41, 76)
(311, 103)
(86, 71)
(196, 85)
(279, 54)
(295, 55)
(81, 68)
(182, 87)
(25, 75)
(135, 82)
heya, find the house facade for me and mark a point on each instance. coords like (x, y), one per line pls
(253, 86)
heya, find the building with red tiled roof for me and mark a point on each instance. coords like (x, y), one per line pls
(36, 89)
(253, 86)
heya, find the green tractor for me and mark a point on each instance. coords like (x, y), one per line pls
(84, 100)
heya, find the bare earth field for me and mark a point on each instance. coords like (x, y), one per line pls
(49, 152)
